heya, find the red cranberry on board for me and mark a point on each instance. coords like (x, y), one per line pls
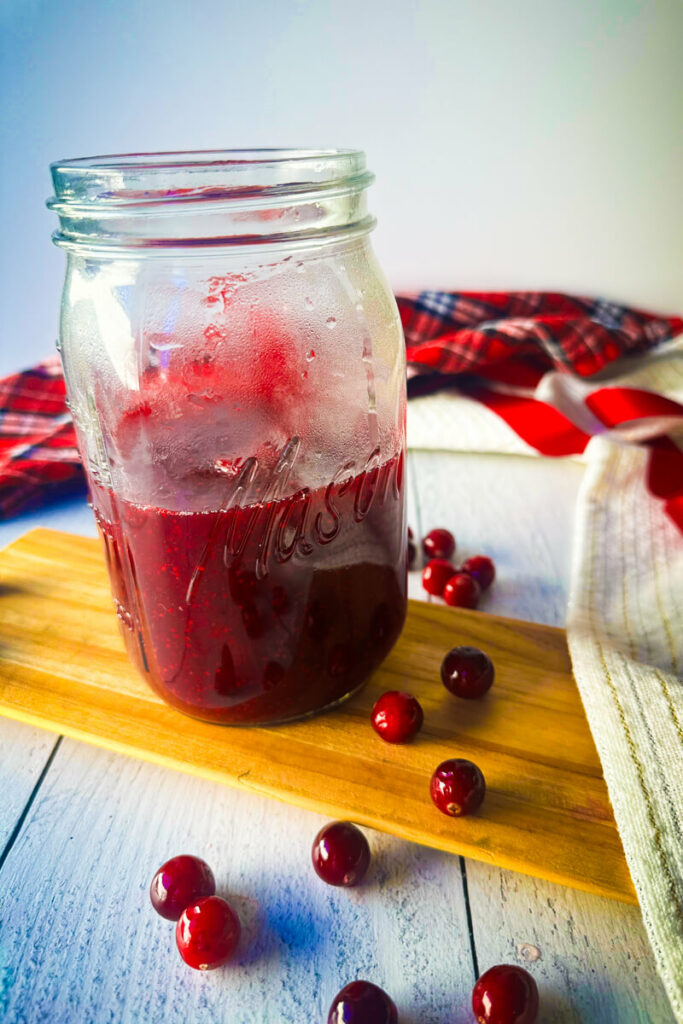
(397, 716)
(180, 881)
(207, 933)
(481, 568)
(467, 672)
(461, 591)
(340, 854)
(436, 575)
(361, 1002)
(457, 787)
(438, 544)
(505, 994)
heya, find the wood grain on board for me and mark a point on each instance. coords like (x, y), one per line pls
(546, 813)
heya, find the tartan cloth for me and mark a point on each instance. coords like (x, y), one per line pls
(516, 337)
(532, 359)
(483, 338)
(38, 454)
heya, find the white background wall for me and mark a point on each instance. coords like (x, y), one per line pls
(517, 143)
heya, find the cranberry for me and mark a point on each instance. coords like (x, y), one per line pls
(397, 716)
(467, 672)
(481, 568)
(505, 994)
(340, 854)
(436, 575)
(207, 933)
(412, 550)
(180, 881)
(412, 554)
(461, 591)
(361, 1002)
(457, 787)
(439, 544)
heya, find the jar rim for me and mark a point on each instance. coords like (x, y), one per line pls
(203, 157)
(143, 178)
(103, 197)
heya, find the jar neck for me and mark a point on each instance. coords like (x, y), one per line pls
(198, 201)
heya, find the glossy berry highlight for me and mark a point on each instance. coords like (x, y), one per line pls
(461, 591)
(180, 881)
(361, 1002)
(505, 994)
(467, 672)
(458, 787)
(438, 544)
(397, 716)
(436, 575)
(480, 568)
(207, 933)
(340, 854)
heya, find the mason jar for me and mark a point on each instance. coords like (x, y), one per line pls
(234, 364)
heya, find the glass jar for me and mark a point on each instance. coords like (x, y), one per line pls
(235, 368)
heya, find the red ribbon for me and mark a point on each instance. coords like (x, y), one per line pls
(542, 426)
(614, 406)
(550, 432)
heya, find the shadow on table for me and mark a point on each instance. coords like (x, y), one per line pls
(10, 590)
(555, 1008)
(451, 1015)
(293, 927)
(256, 941)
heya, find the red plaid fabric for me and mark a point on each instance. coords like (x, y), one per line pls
(498, 345)
(516, 337)
(38, 454)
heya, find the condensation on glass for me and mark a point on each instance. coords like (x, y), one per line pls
(235, 368)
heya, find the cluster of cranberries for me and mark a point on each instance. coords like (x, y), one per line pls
(207, 928)
(459, 587)
(457, 786)
(504, 994)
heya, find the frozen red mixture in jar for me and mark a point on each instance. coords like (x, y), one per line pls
(281, 597)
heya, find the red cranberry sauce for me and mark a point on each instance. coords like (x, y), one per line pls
(263, 612)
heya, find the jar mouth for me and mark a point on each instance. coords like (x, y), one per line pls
(210, 197)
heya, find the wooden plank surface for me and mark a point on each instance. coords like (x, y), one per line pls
(81, 942)
(546, 811)
(590, 956)
(516, 509)
(24, 752)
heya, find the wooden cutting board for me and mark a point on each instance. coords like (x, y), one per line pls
(546, 812)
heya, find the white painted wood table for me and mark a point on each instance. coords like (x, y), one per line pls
(82, 831)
